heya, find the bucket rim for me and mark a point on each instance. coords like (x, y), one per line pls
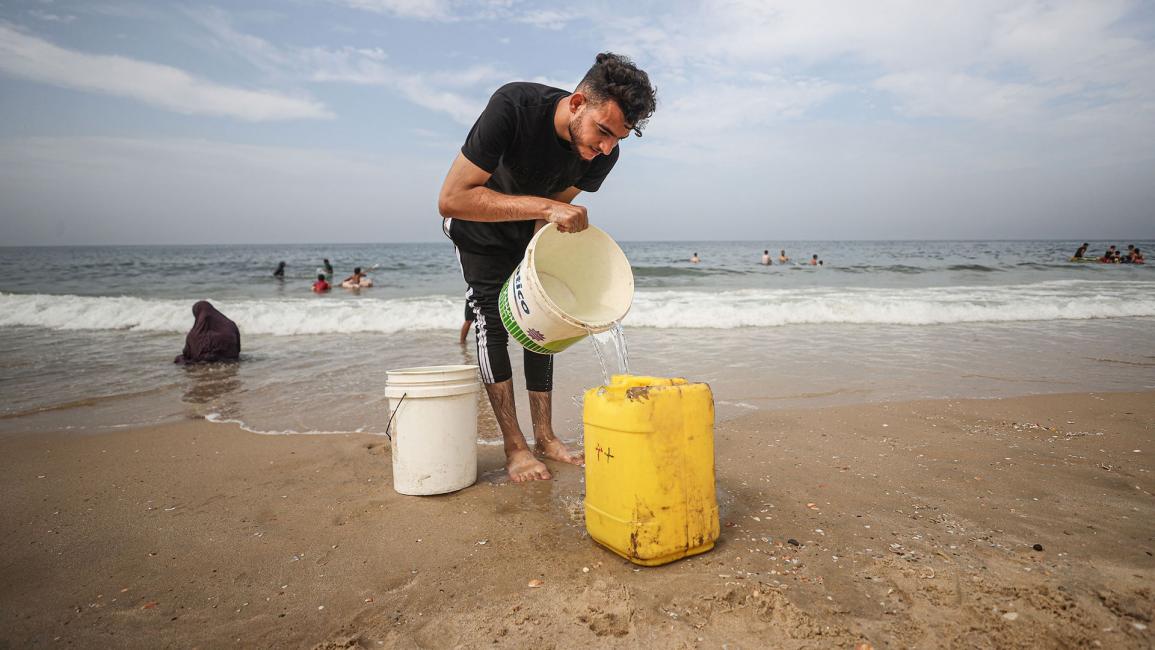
(423, 391)
(531, 259)
(426, 370)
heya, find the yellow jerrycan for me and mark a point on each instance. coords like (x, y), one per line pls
(649, 445)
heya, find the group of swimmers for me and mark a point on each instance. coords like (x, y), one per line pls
(1111, 256)
(359, 280)
(766, 261)
(784, 259)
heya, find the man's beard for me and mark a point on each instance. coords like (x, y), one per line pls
(574, 142)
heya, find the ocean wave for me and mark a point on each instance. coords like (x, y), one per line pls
(902, 269)
(279, 317)
(682, 271)
(1056, 300)
(973, 267)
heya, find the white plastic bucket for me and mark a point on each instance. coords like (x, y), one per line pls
(567, 286)
(433, 420)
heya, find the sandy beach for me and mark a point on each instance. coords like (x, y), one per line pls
(1009, 523)
(904, 247)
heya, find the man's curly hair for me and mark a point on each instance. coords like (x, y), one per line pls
(615, 77)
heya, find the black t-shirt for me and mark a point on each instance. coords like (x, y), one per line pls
(515, 141)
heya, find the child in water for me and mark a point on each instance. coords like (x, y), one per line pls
(321, 286)
(357, 280)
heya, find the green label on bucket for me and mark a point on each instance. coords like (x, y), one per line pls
(514, 329)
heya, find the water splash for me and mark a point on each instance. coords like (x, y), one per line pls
(613, 355)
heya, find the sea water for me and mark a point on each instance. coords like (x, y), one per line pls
(88, 334)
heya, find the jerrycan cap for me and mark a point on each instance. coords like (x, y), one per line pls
(635, 386)
(637, 381)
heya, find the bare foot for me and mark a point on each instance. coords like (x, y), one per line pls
(556, 450)
(522, 466)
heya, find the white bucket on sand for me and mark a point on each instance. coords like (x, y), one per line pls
(433, 420)
(567, 286)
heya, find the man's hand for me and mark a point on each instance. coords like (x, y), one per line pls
(568, 218)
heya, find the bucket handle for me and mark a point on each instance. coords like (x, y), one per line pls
(393, 415)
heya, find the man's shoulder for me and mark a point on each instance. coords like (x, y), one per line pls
(527, 94)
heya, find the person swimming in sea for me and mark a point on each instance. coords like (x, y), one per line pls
(782, 259)
(280, 272)
(1080, 252)
(766, 258)
(357, 280)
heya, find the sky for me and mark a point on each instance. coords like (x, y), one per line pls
(326, 121)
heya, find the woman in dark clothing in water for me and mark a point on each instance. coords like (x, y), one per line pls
(213, 337)
(280, 272)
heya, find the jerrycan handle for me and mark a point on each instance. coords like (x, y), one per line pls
(394, 414)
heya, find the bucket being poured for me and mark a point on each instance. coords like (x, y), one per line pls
(433, 419)
(567, 286)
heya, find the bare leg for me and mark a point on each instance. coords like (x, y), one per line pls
(546, 443)
(520, 462)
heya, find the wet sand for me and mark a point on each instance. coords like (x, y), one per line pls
(913, 525)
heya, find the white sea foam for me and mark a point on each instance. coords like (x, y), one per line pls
(1059, 300)
(217, 418)
(279, 317)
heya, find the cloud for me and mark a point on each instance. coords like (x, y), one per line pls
(564, 84)
(32, 58)
(469, 10)
(965, 96)
(420, 9)
(455, 93)
(722, 122)
(545, 18)
(993, 59)
(992, 84)
(463, 110)
(1080, 42)
(51, 17)
(222, 35)
(438, 91)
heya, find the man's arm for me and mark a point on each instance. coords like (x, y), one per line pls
(464, 196)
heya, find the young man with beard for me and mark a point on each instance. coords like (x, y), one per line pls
(526, 159)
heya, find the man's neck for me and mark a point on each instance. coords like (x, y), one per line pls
(561, 118)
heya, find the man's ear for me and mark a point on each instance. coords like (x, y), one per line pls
(576, 101)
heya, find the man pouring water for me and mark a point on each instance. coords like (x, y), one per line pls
(531, 152)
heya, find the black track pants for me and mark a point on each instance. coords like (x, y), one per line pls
(485, 274)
